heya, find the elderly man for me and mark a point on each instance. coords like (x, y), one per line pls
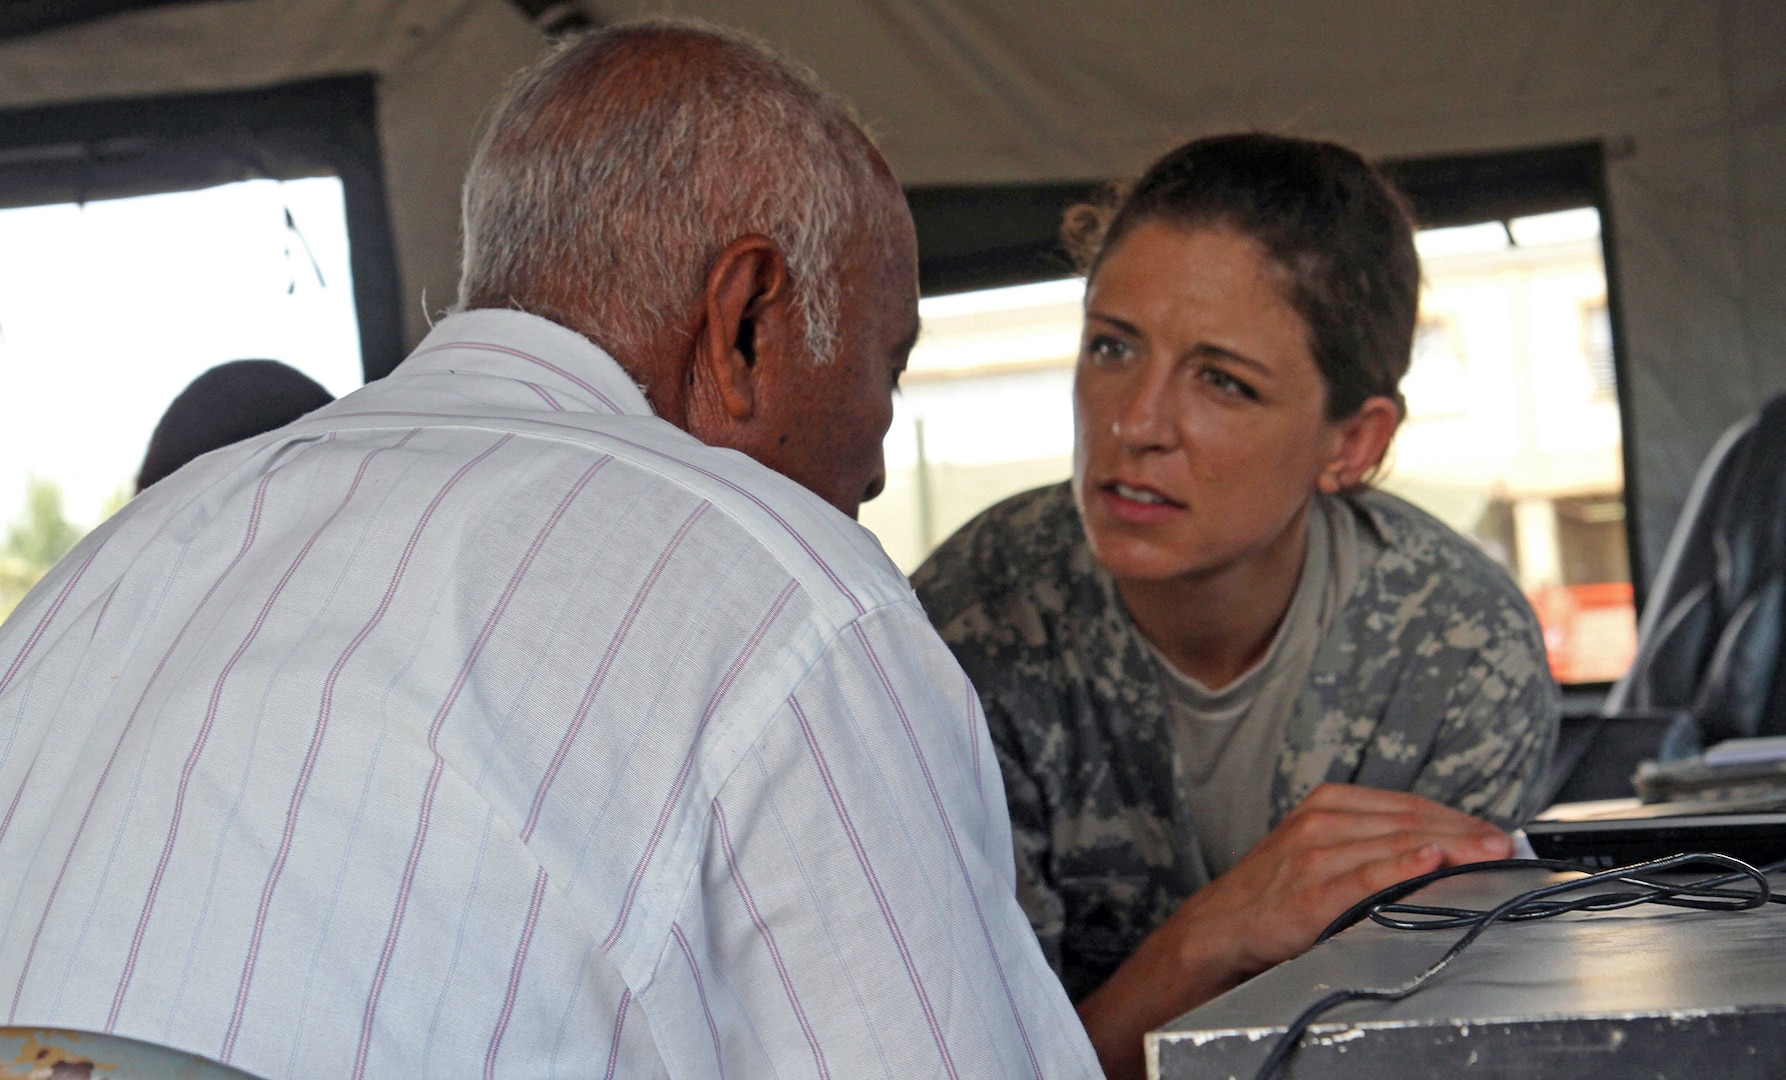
(539, 708)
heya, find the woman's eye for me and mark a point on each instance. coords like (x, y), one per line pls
(1228, 384)
(1104, 347)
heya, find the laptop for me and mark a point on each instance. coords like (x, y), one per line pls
(1619, 832)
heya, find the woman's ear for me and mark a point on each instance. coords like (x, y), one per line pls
(1363, 439)
(745, 331)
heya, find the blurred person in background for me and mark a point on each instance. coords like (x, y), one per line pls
(226, 404)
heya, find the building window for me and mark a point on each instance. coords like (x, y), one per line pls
(1596, 343)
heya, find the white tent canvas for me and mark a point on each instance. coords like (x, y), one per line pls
(1688, 97)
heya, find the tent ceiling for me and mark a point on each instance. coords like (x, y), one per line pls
(1040, 91)
(1687, 99)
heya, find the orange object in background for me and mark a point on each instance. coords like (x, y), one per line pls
(1590, 631)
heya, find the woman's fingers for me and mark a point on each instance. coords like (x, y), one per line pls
(1328, 827)
(1350, 798)
(1346, 811)
(1376, 876)
(1330, 867)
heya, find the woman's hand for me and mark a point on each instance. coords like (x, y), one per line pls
(1338, 846)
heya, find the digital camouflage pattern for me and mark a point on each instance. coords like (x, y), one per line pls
(1432, 680)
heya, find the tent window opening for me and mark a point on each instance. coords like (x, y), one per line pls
(109, 308)
(1514, 435)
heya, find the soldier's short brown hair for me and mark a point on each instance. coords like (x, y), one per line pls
(1338, 229)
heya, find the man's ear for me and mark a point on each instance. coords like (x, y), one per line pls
(746, 329)
(1363, 439)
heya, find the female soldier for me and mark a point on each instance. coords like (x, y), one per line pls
(1217, 664)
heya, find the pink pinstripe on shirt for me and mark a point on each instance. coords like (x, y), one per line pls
(874, 885)
(545, 395)
(19, 662)
(688, 761)
(626, 997)
(446, 706)
(508, 1002)
(601, 670)
(942, 814)
(719, 1054)
(43, 623)
(304, 773)
(260, 495)
(750, 905)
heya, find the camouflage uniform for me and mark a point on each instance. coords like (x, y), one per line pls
(1432, 680)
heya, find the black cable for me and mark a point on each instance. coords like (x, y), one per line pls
(1387, 899)
(1708, 894)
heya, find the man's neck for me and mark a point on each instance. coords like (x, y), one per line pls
(659, 368)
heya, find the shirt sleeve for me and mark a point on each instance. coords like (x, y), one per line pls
(853, 913)
(1499, 720)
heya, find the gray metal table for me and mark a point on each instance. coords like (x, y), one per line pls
(1647, 992)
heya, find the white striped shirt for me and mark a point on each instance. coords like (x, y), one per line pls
(482, 721)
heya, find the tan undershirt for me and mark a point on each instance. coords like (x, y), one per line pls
(1227, 740)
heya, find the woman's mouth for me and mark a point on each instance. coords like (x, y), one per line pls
(1139, 494)
(1138, 505)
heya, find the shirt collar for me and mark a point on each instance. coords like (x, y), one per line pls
(544, 355)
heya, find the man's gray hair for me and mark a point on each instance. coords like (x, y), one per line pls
(615, 172)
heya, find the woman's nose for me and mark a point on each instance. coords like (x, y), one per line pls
(1143, 422)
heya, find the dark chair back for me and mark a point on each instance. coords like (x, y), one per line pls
(1710, 639)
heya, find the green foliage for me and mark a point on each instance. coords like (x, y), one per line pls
(34, 542)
